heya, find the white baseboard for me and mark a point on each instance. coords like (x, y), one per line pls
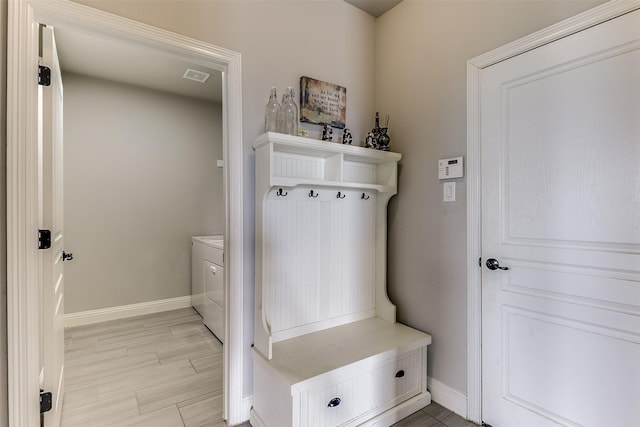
(445, 396)
(255, 420)
(123, 311)
(399, 412)
(247, 404)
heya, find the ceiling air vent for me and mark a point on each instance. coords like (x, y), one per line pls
(195, 75)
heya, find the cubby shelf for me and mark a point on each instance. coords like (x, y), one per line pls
(303, 161)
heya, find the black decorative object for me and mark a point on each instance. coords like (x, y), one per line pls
(378, 138)
(383, 139)
(369, 141)
(346, 137)
(327, 133)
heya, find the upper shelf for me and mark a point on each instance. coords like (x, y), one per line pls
(302, 161)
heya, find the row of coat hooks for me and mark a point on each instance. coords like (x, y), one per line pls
(314, 194)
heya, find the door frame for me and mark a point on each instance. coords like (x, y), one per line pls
(22, 190)
(590, 18)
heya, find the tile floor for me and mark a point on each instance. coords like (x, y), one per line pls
(434, 415)
(161, 370)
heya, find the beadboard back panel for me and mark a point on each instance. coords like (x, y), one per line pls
(320, 236)
(320, 264)
(288, 165)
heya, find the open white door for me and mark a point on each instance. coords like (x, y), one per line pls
(51, 218)
(560, 131)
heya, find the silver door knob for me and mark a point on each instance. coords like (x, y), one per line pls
(493, 264)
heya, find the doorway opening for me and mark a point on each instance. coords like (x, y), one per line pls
(142, 175)
(22, 193)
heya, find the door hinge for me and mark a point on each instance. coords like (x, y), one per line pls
(44, 75)
(46, 400)
(44, 239)
(480, 262)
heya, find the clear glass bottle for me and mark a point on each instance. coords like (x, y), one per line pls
(289, 113)
(272, 112)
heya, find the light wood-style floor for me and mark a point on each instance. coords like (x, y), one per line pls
(161, 370)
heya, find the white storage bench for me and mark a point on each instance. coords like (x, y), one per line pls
(327, 349)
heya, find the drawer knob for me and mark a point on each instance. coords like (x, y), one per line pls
(400, 373)
(334, 402)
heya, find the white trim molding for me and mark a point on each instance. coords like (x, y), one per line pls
(123, 311)
(475, 66)
(22, 219)
(444, 395)
(247, 404)
(23, 259)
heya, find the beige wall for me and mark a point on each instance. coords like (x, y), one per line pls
(140, 179)
(3, 217)
(421, 53)
(280, 41)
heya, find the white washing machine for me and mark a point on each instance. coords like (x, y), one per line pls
(207, 281)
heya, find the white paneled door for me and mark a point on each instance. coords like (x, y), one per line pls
(51, 218)
(560, 132)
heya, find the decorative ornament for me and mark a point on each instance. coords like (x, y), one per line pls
(346, 137)
(327, 133)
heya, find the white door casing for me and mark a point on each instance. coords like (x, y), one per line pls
(52, 219)
(552, 214)
(23, 272)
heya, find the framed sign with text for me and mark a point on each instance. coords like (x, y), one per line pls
(322, 103)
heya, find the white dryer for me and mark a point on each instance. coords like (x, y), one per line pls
(207, 281)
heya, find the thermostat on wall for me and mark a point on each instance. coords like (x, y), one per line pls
(450, 168)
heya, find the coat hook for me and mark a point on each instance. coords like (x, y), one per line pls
(364, 197)
(341, 196)
(312, 194)
(281, 193)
